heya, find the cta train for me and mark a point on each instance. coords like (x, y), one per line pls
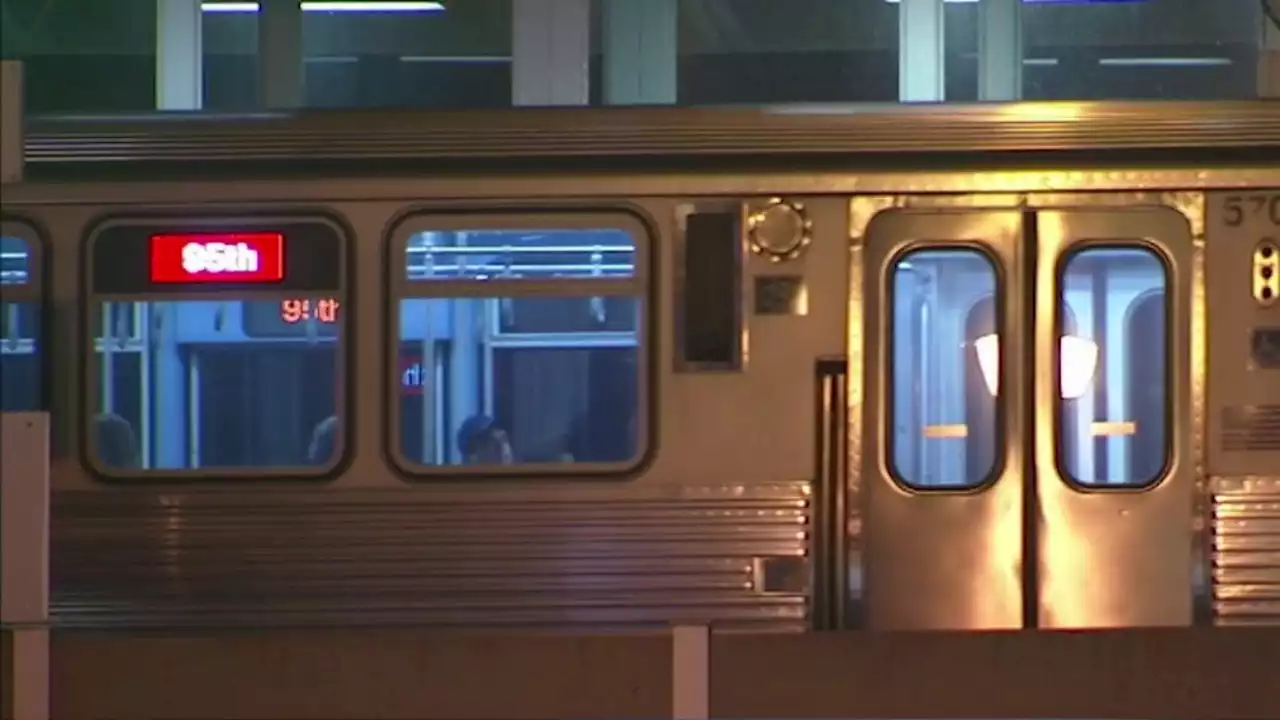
(1001, 366)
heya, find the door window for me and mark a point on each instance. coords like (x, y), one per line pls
(944, 415)
(1114, 416)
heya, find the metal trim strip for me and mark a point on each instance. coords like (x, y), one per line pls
(582, 133)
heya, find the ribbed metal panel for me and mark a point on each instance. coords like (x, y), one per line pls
(629, 133)
(1246, 551)
(611, 557)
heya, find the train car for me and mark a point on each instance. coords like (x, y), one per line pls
(1001, 366)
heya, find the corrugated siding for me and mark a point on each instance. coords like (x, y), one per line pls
(622, 556)
(1246, 551)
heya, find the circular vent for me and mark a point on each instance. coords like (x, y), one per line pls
(780, 230)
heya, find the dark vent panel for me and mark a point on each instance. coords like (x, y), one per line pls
(711, 327)
(1266, 348)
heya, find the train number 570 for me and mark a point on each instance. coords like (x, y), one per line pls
(1237, 209)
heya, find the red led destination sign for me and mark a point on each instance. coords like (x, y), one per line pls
(217, 258)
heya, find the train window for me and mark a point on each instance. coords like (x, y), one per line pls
(1114, 417)
(944, 416)
(547, 375)
(20, 336)
(200, 374)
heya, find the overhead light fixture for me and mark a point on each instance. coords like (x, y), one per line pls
(1078, 359)
(1045, 2)
(330, 6)
(1165, 62)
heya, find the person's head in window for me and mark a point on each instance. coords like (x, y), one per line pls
(114, 441)
(323, 439)
(482, 442)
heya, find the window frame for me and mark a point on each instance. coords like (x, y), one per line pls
(641, 286)
(1152, 247)
(999, 297)
(37, 290)
(197, 221)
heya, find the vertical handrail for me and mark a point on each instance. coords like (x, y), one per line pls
(828, 517)
(143, 330)
(24, 562)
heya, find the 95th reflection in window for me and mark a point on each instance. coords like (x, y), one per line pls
(324, 310)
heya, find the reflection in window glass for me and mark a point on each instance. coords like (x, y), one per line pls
(756, 52)
(1103, 50)
(20, 371)
(472, 392)
(943, 413)
(229, 62)
(1141, 50)
(1113, 429)
(776, 51)
(217, 384)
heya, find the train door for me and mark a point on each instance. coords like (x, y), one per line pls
(1022, 462)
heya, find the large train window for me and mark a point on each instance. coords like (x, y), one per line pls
(217, 348)
(20, 336)
(1114, 418)
(521, 346)
(944, 305)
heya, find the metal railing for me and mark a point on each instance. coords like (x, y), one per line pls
(590, 260)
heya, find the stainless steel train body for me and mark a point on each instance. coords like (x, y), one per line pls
(995, 367)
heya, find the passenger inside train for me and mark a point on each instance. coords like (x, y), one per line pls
(323, 441)
(482, 442)
(114, 440)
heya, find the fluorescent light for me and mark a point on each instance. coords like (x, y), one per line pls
(471, 59)
(1045, 2)
(1078, 358)
(1165, 62)
(385, 7)
(330, 6)
(331, 59)
(988, 349)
